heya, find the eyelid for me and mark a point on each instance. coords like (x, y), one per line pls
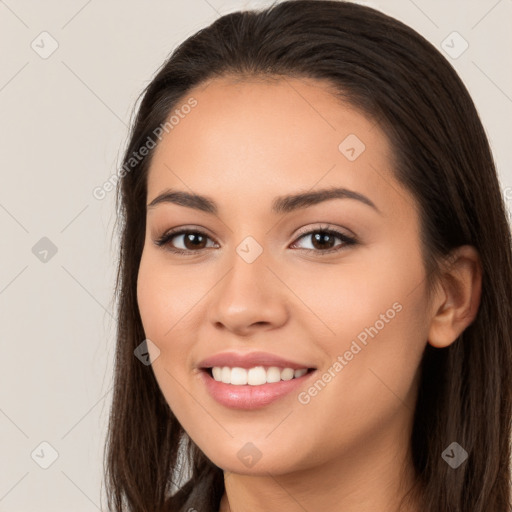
(325, 226)
(184, 228)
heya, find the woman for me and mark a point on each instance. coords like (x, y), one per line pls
(316, 261)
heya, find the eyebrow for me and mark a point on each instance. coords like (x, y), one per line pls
(280, 205)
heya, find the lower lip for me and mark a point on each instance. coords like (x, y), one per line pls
(251, 397)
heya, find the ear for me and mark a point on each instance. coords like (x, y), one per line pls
(457, 303)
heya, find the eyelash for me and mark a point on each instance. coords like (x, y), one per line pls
(167, 237)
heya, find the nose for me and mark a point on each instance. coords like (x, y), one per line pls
(250, 297)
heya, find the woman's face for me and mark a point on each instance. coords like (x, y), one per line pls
(264, 276)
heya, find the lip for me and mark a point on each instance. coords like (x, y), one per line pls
(251, 397)
(247, 396)
(249, 360)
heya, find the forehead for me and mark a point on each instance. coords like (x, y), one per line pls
(252, 138)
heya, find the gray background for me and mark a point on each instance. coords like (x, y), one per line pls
(63, 126)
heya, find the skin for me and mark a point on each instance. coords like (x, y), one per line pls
(246, 142)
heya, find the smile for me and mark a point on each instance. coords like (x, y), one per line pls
(256, 376)
(253, 396)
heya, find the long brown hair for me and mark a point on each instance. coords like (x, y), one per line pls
(442, 155)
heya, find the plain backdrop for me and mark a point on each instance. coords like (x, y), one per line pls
(70, 74)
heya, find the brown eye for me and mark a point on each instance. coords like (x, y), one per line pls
(190, 240)
(323, 240)
(194, 240)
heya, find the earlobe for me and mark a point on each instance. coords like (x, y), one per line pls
(461, 282)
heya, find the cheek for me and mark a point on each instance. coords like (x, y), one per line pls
(171, 305)
(152, 299)
(166, 299)
(351, 299)
(160, 309)
(163, 305)
(378, 316)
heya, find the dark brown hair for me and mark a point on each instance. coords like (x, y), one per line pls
(441, 154)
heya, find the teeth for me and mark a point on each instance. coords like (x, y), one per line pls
(254, 376)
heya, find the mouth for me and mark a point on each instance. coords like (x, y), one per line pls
(255, 376)
(240, 388)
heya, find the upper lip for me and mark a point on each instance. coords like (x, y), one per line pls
(249, 360)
